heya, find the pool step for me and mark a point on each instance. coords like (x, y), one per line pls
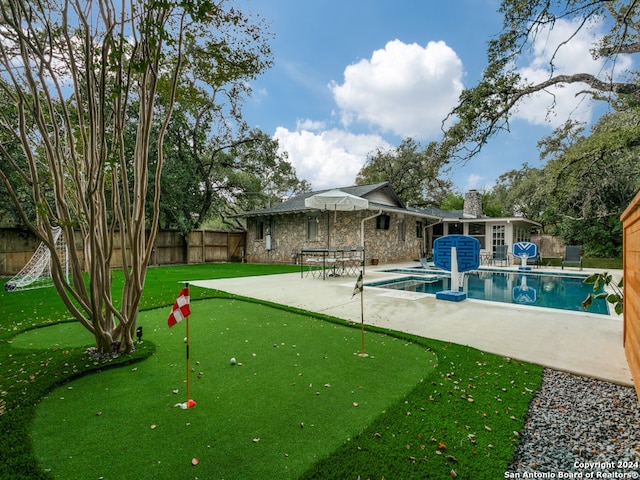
(451, 296)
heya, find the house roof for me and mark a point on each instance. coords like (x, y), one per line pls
(368, 190)
(378, 191)
(381, 196)
(438, 212)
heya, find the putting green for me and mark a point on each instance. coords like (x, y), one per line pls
(298, 392)
(60, 335)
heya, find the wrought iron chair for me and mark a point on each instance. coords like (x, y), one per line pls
(312, 263)
(331, 260)
(343, 260)
(357, 260)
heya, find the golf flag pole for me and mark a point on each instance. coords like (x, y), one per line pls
(362, 320)
(181, 311)
(359, 288)
(187, 352)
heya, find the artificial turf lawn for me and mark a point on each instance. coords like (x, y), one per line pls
(27, 375)
(464, 423)
(301, 390)
(433, 431)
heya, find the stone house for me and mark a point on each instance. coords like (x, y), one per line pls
(389, 230)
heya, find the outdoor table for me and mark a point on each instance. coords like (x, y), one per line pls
(325, 254)
(321, 252)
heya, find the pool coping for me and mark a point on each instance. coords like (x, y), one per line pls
(410, 275)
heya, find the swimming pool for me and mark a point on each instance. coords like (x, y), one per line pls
(549, 290)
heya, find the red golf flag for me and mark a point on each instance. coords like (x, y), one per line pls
(180, 308)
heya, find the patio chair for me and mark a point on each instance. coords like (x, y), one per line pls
(501, 255)
(313, 265)
(343, 260)
(572, 256)
(357, 260)
(485, 257)
(331, 261)
(535, 261)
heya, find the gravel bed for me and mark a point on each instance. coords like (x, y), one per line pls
(579, 427)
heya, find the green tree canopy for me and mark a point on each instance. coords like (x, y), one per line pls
(586, 183)
(414, 173)
(593, 180)
(213, 161)
(204, 180)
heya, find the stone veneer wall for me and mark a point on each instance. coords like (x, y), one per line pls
(289, 234)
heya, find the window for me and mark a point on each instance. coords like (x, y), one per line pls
(383, 222)
(477, 231)
(419, 229)
(498, 235)
(455, 229)
(312, 228)
(401, 230)
(521, 234)
(259, 230)
(438, 230)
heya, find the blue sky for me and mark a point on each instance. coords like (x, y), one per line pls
(350, 76)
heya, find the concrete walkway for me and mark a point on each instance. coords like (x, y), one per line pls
(580, 343)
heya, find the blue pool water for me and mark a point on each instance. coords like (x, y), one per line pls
(564, 292)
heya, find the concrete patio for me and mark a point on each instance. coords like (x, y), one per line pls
(581, 343)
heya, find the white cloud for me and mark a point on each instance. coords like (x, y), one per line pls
(259, 93)
(309, 124)
(408, 89)
(474, 182)
(327, 159)
(557, 104)
(403, 89)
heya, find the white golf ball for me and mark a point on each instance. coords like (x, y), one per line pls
(232, 361)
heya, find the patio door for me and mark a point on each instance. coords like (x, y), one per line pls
(498, 234)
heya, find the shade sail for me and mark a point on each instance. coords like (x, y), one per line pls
(336, 200)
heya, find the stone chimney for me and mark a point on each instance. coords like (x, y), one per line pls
(472, 204)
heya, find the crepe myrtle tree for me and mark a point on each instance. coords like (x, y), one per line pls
(70, 70)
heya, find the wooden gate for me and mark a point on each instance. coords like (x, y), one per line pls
(207, 246)
(631, 265)
(236, 246)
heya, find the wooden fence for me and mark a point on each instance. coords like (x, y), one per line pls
(204, 246)
(548, 245)
(631, 264)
